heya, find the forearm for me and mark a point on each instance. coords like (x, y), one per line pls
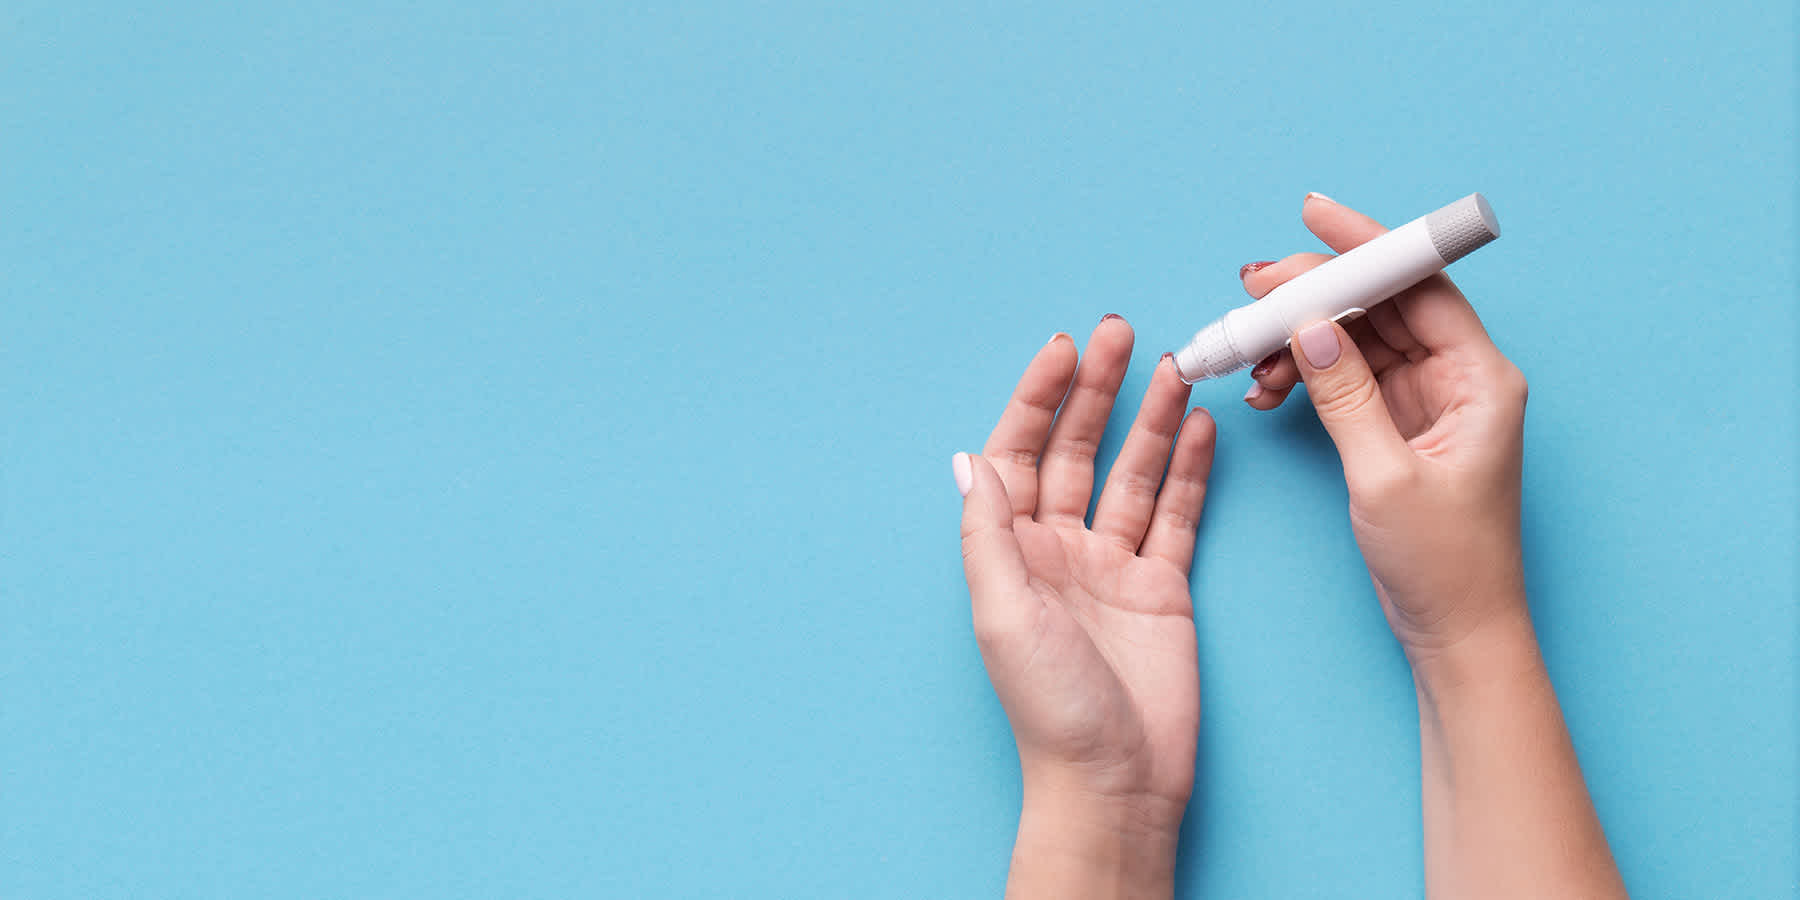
(1075, 846)
(1507, 813)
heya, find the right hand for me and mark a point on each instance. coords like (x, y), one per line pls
(1428, 418)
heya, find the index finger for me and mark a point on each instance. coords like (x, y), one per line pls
(1434, 311)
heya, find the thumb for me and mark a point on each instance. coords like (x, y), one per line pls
(992, 560)
(1348, 399)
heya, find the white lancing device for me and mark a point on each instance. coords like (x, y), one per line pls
(1340, 289)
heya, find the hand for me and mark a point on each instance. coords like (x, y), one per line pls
(1088, 633)
(1428, 418)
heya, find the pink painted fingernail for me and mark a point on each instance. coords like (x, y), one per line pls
(1255, 391)
(1319, 341)
(1245, 270)
(964, 474)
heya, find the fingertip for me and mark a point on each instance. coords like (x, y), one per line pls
(1111, 325)
(1167, 376)
(1259, 282)
(1057, 356)
(1109, 347)
(980, 470)
(1249, 267)
(1200, 418)
(1267, 365)
(1339, 226)
(980, 484)
(1315, 205)
(1319, 345)
(1280, 381)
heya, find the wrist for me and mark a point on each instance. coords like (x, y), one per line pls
(1501, 649)
(1076, 843)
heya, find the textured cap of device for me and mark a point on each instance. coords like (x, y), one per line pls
(1462, 227)
(1211, 354)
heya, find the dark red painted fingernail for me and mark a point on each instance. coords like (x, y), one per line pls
(1247, 268)
(1166, 358)
(1111, 316)
(1267, 365)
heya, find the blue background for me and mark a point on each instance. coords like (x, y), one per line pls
(465, 450)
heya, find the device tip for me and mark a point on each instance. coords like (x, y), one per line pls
(1187, 368)
(1186, 375)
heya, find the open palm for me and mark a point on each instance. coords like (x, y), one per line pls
(1088, 633)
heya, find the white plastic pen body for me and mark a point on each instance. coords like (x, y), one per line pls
(1341, 288)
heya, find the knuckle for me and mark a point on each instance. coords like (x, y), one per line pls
(1136, 486)
(1159, 431)
(1075, 449)
(1349, 399)
(1014, 456)
(1041, 404)
(1178, 521)
(1504, 384)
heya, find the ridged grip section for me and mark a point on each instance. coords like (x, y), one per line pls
(1462, 227)
(1211, 354)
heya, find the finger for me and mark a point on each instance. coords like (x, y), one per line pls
(1349, 402)
(1125, 505)
(1277, 371)
(993, 563)
(1175, 524)
(1263, 398)
(1259, 282)
(1385, 319)
(1018, 438)
(1271, 380)
(1066, 473)
(1375, 351)
(1274, 378)
(1434, 311)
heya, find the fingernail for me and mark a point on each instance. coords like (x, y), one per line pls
(1255, 391)
(1245, 270)
(1166, 358)
(1319, 341)
(1060, 334)
(1111, 316)
(964, 474)
(1315, 195)
(1267, 365)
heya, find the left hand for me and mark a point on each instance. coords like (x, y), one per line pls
(1088, 632)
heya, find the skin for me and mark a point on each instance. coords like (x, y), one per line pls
(1087, 632)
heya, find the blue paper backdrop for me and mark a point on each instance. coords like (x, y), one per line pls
(487, 450)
